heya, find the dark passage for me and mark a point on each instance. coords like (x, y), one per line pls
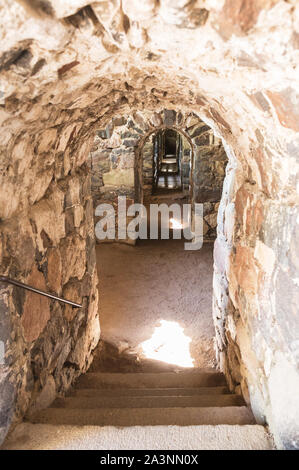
(167, 158)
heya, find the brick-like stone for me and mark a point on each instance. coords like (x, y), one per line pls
(54, 271)
(36, 311)
(286, 107)
(169, 117)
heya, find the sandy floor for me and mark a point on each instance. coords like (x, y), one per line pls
(152, 282)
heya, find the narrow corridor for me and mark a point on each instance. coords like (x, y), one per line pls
(124, 120)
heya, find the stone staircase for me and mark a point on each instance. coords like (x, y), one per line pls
(194, 407)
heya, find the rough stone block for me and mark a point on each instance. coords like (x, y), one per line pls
(36, 312)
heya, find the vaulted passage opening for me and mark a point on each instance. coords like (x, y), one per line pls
(156, 296)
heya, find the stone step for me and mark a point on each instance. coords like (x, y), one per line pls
(187, 379)
(29, 436)
(148, 401)
(138, 392)
(145, 416)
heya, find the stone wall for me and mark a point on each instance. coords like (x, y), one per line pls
(47, 241)
(232, 63)
(207, 174)
(148, 167)
(112, 163)
(256, 327)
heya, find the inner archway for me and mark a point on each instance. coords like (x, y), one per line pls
(169, 147)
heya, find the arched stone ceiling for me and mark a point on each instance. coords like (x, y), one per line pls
(225, 54)
(235, 63)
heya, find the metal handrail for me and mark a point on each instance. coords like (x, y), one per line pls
(37, 291)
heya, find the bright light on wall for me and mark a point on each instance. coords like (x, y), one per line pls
(169, 344)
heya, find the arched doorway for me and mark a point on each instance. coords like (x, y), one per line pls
(163, 164)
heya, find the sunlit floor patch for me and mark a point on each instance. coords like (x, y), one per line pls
(169, 344)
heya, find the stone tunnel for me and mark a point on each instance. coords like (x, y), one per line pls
(89, 93)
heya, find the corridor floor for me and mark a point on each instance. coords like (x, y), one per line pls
(157, 288)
